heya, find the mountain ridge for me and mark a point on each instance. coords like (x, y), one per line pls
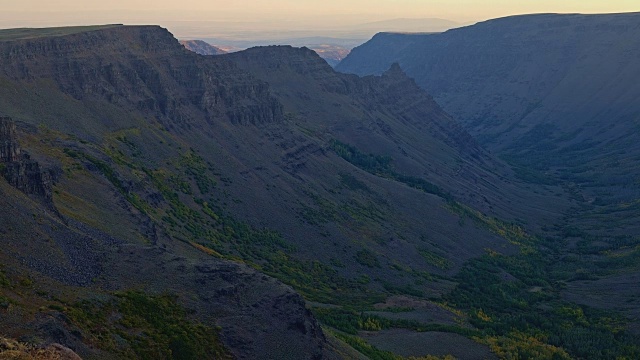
(547, 83)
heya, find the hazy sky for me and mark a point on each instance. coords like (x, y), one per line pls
(310, 13)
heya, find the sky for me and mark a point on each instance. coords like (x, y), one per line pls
(255, 15)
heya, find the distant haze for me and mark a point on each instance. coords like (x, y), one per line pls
(245, 19)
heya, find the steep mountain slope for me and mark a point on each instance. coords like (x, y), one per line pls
(553, 93)
(57, 270)
(360, 193)
(201, 47)
(557, 97)
(387, 115)
(89, 237)
(236, 129)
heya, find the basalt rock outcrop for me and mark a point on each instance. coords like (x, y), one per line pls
(12, 349)
(18, 168)
(9, 147)
(141, 68)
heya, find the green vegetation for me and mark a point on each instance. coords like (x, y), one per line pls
(521, 346)
(352, 183)
(367, 258)
(510, 313)
(381, 166)
(514, 233)
(4, 280)
(375, 164)
(153, 327)
(512, 301)
(189, 212)
(352, 321)
(435, 259)
(374, 353)
(25, 33)
(365, 348)
(325, 211)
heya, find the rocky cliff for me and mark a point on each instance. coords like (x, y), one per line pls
(18, 168)
(388, 105)
(144, 69)
(9, 148)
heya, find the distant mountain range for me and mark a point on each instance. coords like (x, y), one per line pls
(202, 47)
(332, 44)
(257, 32)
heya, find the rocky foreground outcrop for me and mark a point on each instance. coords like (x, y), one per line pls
(12, 349)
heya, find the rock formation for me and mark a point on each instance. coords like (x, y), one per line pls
(9, 148)
(142, 68)
(18, 168)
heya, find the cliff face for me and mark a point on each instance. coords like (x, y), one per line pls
(145, 69)
(18, 168)
(503, 77)
(9, 148)
(302, 81)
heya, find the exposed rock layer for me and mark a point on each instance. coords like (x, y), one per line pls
(146, 69)
(18, 168)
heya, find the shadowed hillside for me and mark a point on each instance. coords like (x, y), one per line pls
(556, 96)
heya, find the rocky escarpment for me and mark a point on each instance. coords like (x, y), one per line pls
(18, 168)
(12, 349)
(395, 90)
(393, 93)
(142, 68)
(9, 147)
(260, 318)
(289, 63)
